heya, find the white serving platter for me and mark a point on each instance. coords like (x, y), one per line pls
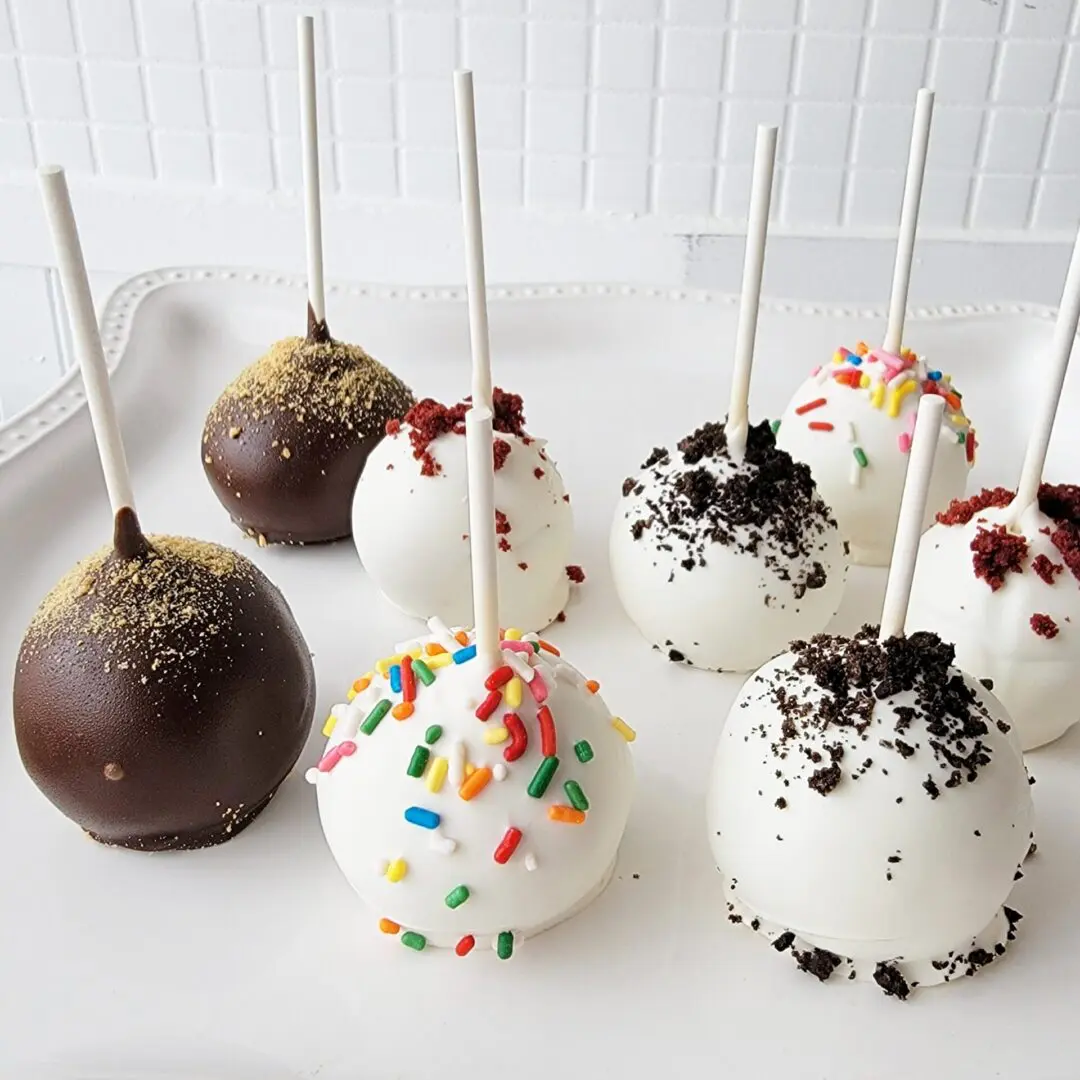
(255, 960)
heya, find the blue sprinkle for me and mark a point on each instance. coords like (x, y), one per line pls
(935, 375)
(395, 678)
(854, 358)
(426, 819)
(464, 654)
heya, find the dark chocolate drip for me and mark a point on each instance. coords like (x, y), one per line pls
(317, 331)
(128, 539)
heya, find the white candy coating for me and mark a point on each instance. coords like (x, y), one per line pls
(876, 871)
(866, 501)
(556, 869)
(1037, 678)
(411, 531)
(734, 608)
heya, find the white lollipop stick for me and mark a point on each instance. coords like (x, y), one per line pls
(1060, 351)
(309, 141)
(485, 580)
(474, 238)
(909, 219)
(912, 510)
(85, 334)
(757, 226)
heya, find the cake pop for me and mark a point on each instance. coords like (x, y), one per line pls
(999, 574)
(868, 807)
(285, 443)
(722, 552)
(163, 690)
(416, 478)
(475, 788)
(851, 420)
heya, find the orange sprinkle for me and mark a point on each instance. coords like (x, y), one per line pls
(592, 686)
(819, 425)
(862, 349)
(815, 404)
(548, 647)
(461, 637)
(403, 710)
(388, 926)
(361, 685)
(476, 783)
(566, 814)
(953, 402)
(433, 648)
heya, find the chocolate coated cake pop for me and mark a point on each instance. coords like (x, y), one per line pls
(284, 445)
(162, 693)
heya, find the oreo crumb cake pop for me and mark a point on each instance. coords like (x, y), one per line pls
(472, 805)
(417, 479)
(163, 690)
(285, 444)
(868, 807)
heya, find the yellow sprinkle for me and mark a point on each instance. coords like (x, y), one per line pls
(397, 870)
(470, 768)
(384, 665)
(328, 727)
(416, 653)
(441, 660)
(898, 396)
(512, 695)
(623, 728)
(864, 381)
(877, 395)
(350, 695)
(436, 774)
(512, 635)
(494, 736)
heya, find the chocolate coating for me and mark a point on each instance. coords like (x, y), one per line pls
(162, 693)
(284, 445)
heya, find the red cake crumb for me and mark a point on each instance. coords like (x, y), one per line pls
(393, 427)
(561, 617)
(523, 566)
(1044, 626)
(575, 574)
(504, 544)
(428, 419)
(1060, 502)
(502, 525)
(961, 511)
(1045, 568)
(566, 498)
(997, 552)
(538, 472)
(501, 450)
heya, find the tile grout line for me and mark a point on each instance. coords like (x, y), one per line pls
(204, 66)
(861, 67)
(983, 141)
(144, 87)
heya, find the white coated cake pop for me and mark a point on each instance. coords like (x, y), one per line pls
(1008, 594)
(469, 806)
(722, 563)
(869, 810)
(411, 520)
(852, 421)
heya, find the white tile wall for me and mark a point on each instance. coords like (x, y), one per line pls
(624, 106)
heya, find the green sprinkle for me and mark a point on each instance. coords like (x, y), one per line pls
(505, 945)
(456, 897)
(961, 437)
(860, 457)
(584, 751)
(423, 672)
(433, 734)
(418, 761)
(576, 795)
(775, 425)
(374, 718)
(412, 940)
(544, 773)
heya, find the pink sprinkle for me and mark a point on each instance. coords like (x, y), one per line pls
(816, 371)
(332, 757)
(539, 688)
(904, 441)
(518, 646)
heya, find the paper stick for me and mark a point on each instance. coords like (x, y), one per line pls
(757, 227)
(1060, 350)
(309, 141)
(474, 238)
(912, 512)
(909, 220)
(479, 436)
(86, 336)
